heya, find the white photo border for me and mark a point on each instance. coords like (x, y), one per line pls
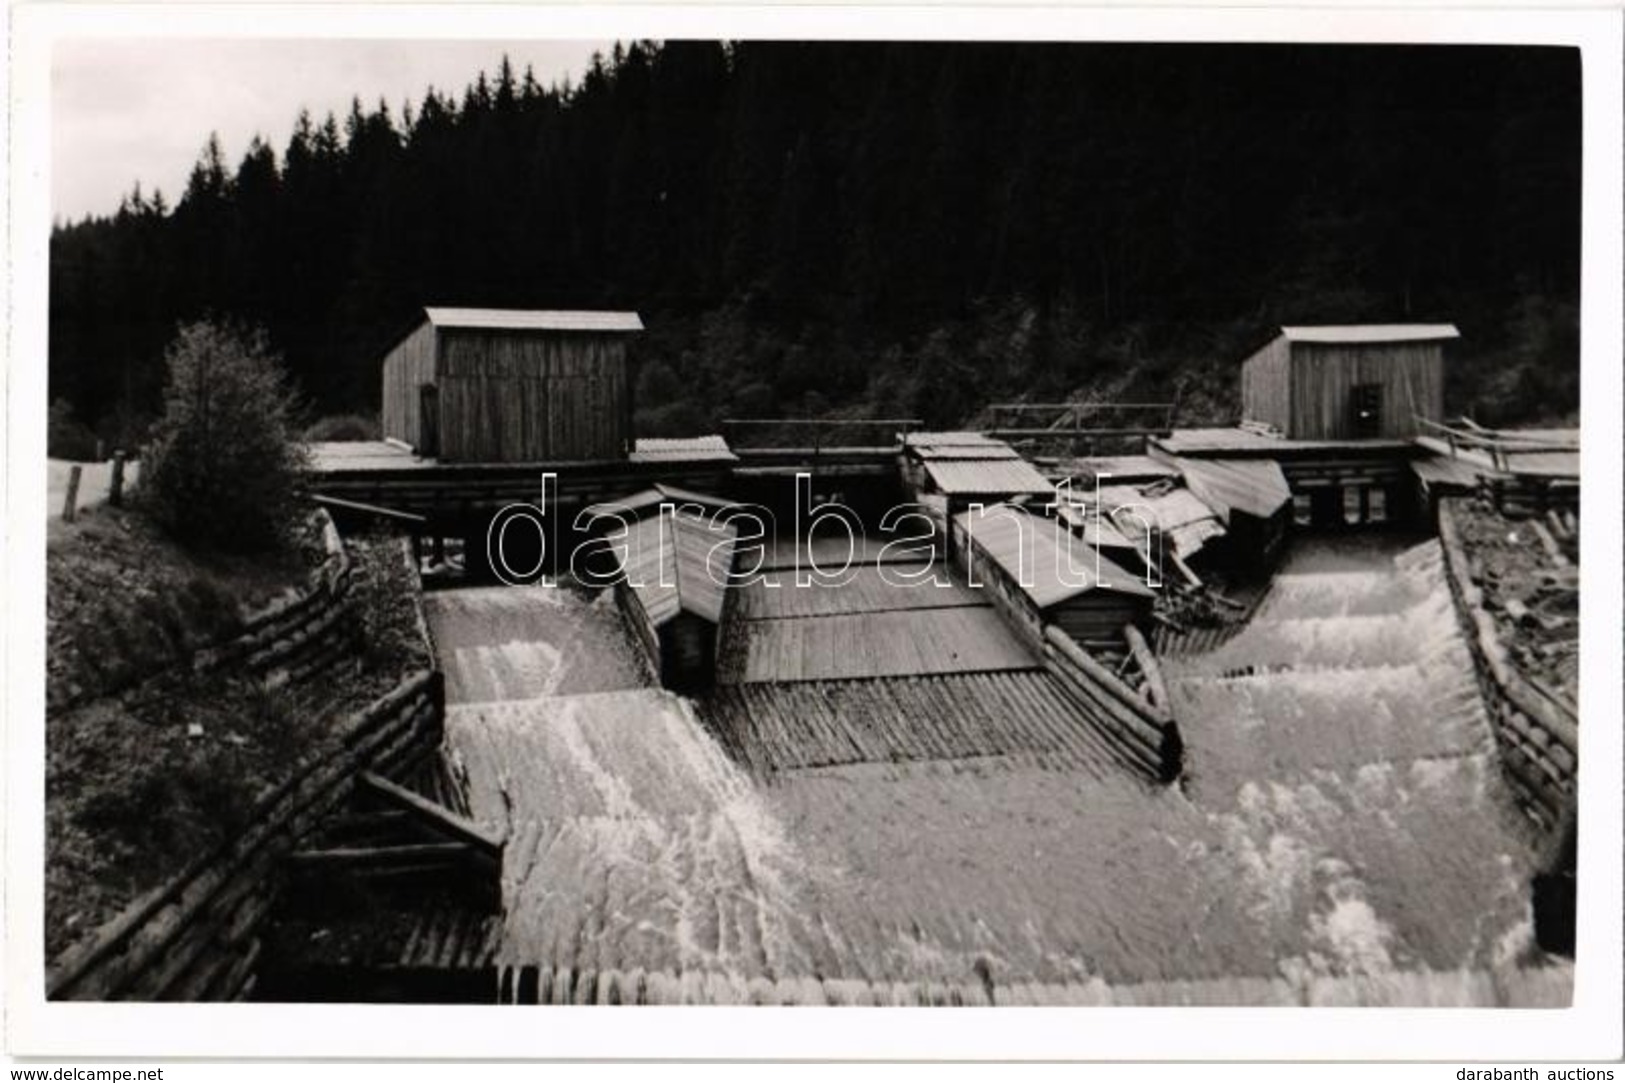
(1591, 1029)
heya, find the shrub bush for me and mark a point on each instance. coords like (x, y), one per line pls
(223, 466)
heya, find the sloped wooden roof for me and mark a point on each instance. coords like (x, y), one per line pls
(897, 643)
(639, 504)
(1252, 486)
(987, 477)
(682, 450)
(1114, 470)
(525, 319)
(678, 563)
(1371, 332)
(1043, 558)
(951, 439)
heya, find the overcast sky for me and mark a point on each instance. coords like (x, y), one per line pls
(128, 110)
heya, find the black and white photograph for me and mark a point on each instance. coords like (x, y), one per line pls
(822, 521)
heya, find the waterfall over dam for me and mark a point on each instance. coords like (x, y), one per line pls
(1341, 836)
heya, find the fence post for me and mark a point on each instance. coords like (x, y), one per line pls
(115, 489)
(69, 505)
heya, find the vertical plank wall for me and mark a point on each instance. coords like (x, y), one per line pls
(1266, 385)
(509, 396)
(406, 367)
(1411, 375)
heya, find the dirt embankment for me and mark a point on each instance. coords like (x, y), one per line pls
(148, 763)
(1529, 572)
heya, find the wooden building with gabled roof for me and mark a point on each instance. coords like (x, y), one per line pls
(483, 385)
(1040, 573)
(1353, 382)
(676, 573)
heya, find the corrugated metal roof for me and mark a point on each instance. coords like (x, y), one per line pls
(641, 503)
(686, 450)
(987, 477)
(1252, 486)
(1043, 558)
(1372, 332)
(678, 564)
(527, 319)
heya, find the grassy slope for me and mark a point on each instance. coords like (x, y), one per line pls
(147, 764)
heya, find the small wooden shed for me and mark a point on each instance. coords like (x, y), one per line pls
(1357, 382)
(1040, 574)
(676, 575)
(483, 385)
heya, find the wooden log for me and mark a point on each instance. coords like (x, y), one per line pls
(1148, 665)
(1130, 738)
(71, 501)
(372, 856)
(1543, 711)
(392, 514)
(440, 820)
(208, 944)
(1075, 654)
(238, 982)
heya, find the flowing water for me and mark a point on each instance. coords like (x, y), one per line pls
(1341, 837)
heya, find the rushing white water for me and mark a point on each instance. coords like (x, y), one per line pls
(1342, 836)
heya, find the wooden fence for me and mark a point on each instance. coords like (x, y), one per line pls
(302, 633)
(197, 936)
(1538, 735)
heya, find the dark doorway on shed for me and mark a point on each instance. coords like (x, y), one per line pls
(429, 420)
(1365, 410)
(688, 654)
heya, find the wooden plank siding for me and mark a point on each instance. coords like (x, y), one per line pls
(1302, 387)
(508, 396)
(1411, 375)
(1266, 387)
(407, 367)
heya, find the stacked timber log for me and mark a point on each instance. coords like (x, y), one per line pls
(1524, 496)
(306, 632)
(197, 937)
(1139, 726)
(1538, 733)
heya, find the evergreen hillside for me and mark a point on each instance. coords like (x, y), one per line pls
(882, 229)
